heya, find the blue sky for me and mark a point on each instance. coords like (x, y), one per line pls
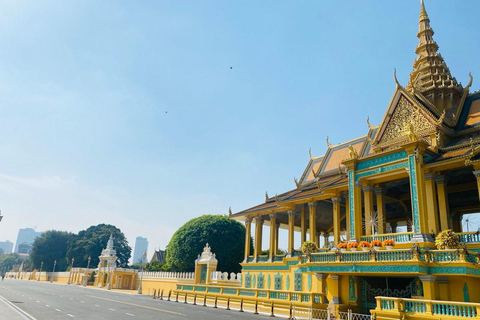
(147, 114)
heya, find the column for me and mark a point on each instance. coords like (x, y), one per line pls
(258, 236)
(443, 207)
(303, 225)
(291, 232)
(429, 282)
(273, 222)
(336, 219)
(443, 289)
(248, 237)
(431, 201)
(417, 191)
(317, 238)
(334, 289)
(368, 198)
(347, 217)
(326, 235)
(394, 226)
(322, 285)
(313, 221)
(277, 227)
(355, 207)
(381, 216)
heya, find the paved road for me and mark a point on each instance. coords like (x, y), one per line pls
(54, 301)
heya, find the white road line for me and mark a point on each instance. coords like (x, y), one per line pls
(97, 305)
(70, 298)
(58, 310)
(30, 298)
(129, 314)
(82, 301)
(70, 315)
(38, 301)
(112, 309)
(47, 306)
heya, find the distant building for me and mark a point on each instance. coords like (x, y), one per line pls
(6, 246)
(24, 248)
(141, 246)
(26, 235)
(159, 255)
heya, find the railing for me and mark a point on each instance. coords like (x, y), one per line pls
(353, 316)
(278, 258)
(297, 296)
(433, 307)
(262, 259)
(224, 276)
(469, 237)
(169, 275)
(310, 313)
(402, 237)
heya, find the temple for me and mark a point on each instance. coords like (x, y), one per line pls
(407, 179)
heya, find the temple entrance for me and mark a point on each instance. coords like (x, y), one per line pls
(203, 273)
(387, 287)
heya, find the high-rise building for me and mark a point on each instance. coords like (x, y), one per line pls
(26, 235)
(141, 246)
(6, 246)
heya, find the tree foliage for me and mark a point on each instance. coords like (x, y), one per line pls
(225, 236)
(50, 246)
(91, 242)
(8, 261)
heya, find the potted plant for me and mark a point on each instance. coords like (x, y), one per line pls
(376, 244)
(342, 246)
(389, 244)
(447, 239)
(309, 247)
(365, 245)
(352, 246)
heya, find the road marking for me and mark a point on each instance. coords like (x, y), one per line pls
(129, 314)
(58, 310)
(70, 315)
(30, 298)
(97, 305)
(70, 298)
(82, 301)
(38, 301)
(139, 305)
(112, 309)
(47, 306)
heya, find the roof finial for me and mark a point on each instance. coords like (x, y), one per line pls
(328, 143)
(423, 12)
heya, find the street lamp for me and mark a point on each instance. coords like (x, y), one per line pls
(71, 269)
(86, 272)
(141, 273)
(54, 264)
(40, 273)
(1, 217)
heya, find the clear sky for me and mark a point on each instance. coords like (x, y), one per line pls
(145, 114)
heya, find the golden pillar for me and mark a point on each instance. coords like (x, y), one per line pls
(443, 289)
(381, 215)
(258, 236)
(313, 222)
(303, 225)
(277, 227)
(368, 198)
(443, 207)
(336, 219)
(356, 224)
(326, 235)
(291, 232)
(248, 237)
(322, 285)
(334, 289)
(429, 284)
(431, 201)
(347, 214)
(273, 222)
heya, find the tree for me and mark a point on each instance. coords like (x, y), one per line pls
(51, 246)
(225, 236)
(91, 242)
(8, 261)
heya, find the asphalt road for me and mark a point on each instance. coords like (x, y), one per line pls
(54, 301)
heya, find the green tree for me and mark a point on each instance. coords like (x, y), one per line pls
(8, 261)
(225, 236)
(91, 242)
(50, 246)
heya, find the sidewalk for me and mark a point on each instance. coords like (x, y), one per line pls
(8, 312)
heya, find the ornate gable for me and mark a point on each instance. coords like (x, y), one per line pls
(402, 119)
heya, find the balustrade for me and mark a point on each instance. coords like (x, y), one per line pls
(402, 237)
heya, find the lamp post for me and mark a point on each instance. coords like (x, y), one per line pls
(54, 264)
(71, 269)
(1, 217)
(40, 273)
(141, 273)
(85, 280)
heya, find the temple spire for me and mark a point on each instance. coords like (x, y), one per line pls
(430, 75)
